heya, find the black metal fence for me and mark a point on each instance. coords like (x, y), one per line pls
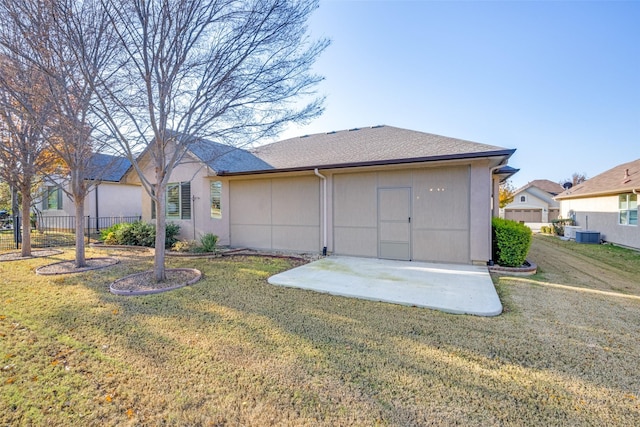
(48, 231)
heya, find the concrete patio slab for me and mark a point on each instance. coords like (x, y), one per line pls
(459, 289)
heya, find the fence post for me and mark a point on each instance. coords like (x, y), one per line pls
(16, 231)
(88, 229)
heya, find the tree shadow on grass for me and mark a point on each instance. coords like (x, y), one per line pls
(378, 361)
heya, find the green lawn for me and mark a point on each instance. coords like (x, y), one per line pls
(234, 350)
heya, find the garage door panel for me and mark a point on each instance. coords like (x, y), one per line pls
(356, 241)
(250, 202)
(281, 214)
(296, 238)
(395, 178)
(441, 198)
(355, 200)
(524, 215)
(251, 236)
(441, 245)
(296, 202)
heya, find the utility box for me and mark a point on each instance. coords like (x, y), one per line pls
(586, 236)
(570, 231)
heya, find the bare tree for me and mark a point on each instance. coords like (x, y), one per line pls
(47, 29)
(231, 71)
(576, 178)
(24, 115)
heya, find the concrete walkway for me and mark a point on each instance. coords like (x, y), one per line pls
(459, 289)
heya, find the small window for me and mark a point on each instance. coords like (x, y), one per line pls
(52, 198)
(523, 199)
(628, 206)
(216, 199)
(177, 201)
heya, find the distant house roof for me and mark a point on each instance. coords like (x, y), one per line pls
(105, 167)
(550, 187)
(225, 158)
(375, 145)
(621, 179)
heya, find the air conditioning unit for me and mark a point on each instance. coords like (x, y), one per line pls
(570, 231)
(587, 236)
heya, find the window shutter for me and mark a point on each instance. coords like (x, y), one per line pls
(185, 200)
(60, 192)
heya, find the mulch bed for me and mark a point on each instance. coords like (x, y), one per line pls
(144, 283)
(17, 256)
(69, 267)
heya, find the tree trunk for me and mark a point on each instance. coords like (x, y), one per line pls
(161, 222)
(26, 221)
(15, 205)
(80, 256)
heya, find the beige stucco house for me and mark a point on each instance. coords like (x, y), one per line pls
(379, 192)
(607, 203)
(108, 196)
(534, 203)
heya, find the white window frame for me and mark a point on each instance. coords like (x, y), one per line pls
(215, 189)
(628, 204)
(183, 211)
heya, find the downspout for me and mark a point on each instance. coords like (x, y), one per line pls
(324, 215)
(493, 196)
(97, 214)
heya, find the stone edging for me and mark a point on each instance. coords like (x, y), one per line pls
(192, 254)
(158, 290)
(52, 252)
(529, 270)
(132, 247)
(41, 270)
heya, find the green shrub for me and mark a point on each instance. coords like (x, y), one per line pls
(208, 243)
(109, 239)
(138, 234)
(511, 242)
(546, 229)
(109, 233)
(559, 224)
(171, 238)
(185, 246)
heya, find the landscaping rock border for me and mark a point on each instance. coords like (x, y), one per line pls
(38, 253)
(527, 269)
(143, 283)
(130, 247)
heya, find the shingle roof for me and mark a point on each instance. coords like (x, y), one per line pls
(225, 158)
(614, 181)
(550, 187)
(373, 145)
(105, 167)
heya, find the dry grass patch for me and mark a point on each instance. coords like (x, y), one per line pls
(233, 350)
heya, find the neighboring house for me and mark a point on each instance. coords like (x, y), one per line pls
(607, 203)
(107, 198)
(534, 203)
(372, 192)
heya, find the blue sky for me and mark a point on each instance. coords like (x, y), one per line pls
(558, 81)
